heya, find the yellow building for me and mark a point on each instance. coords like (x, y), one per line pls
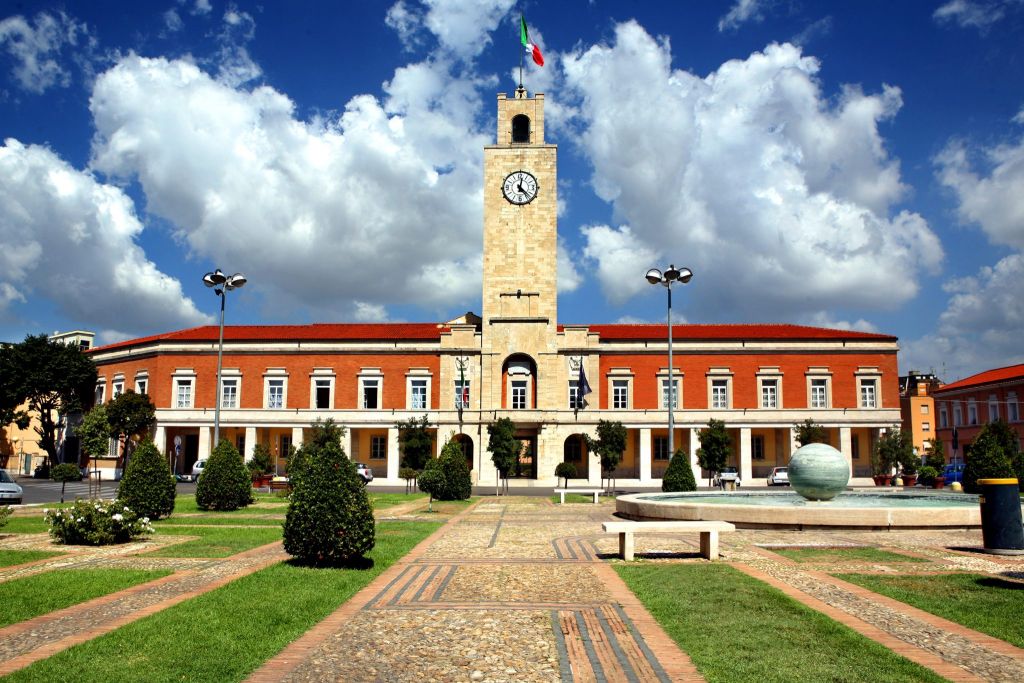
(917, 408)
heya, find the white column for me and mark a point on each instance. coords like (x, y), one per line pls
(645, 455)
(160, 440)
(250, 442)
(297, 436)
(205, 436)
(694, 447)
(393, 455)
(346, 443)
(793, 445)
(846, 447)
(746, 472)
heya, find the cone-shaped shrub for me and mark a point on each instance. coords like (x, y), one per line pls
(225, 483)
(987, 460)
(679, 475)
(148, 487)
(455, 482)
(330, 519)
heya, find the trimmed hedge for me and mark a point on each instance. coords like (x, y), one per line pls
(679, 475)
(225, 483)
(453, 482)
(330, 519)
(148, 487)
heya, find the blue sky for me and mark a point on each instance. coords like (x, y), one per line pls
(838, 164)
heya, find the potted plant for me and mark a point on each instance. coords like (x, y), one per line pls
(927, 476)
(260, 466)
(880, 471)
(936, 459)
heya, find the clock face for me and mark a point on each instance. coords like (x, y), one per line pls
(519, 187)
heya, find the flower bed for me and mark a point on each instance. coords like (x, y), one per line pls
(96, 522)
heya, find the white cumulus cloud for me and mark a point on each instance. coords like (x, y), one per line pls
(741, 12)
(778, 198)
(462, 27)
(37, 48)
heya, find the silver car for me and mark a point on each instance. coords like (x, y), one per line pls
(778, 477)
(10, 491)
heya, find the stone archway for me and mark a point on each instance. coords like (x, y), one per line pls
(574, 450)
(466, 443)
(519, 383)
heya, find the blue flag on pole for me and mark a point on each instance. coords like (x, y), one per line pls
(582, 388)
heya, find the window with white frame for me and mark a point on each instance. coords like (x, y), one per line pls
(101, 388)
(943, 416)
(574, 394)
(972, 412)
(275, 393)
(819, 392)
(229, 392)
(419, 393)
(1012, 407)
(926, 426)
(370, 390)
(323, 393)
(924, 408)
(993, 408)
(183, 392)
(769, 393)
(117, 388)
(958, 418)
(868, 393)
(142, 384)
(462, 394)
(620, 394)
(720, 393)
(664, 394)
(519, 394)
(661, 448)
(378, 447)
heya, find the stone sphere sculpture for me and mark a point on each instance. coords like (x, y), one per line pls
(818, 472)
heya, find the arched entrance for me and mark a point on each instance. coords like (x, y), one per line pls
(519, 383)
(575, 451)
(466, 443)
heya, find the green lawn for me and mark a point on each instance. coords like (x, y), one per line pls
(386, 500)
(13, 557)
(187, 504)
(736, 628)
(219, 519)
(215, 541)
(283, 600)
(25, 525)
(31, 596)
(578, 498)
(829, 555)
(984, 603)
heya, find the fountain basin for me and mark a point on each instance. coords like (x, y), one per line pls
(852, 510)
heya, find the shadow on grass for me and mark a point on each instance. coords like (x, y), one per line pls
(356, 563)
(1001, 584)
(655, 555)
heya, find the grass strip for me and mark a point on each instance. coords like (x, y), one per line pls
(386, 500)
(218, 520)
(214, 541)
(31, 596)
(187, 504)
(984, 603)
(9, 558)
(25, 525)
(736, 628)
(844, 555)
(578, 498)
(285, 601)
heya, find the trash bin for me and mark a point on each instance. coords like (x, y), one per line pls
(1001, 526)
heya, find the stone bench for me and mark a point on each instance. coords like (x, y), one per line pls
(594, 492)
(708, 534)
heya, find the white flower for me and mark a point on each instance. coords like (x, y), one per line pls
(126, 509)
(145, 520)
(46, 511)
(117, 518)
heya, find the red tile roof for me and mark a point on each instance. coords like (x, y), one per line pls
(733, 332)
(313, 332)
(986, 377)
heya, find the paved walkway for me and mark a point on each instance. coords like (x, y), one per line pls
(518, 589)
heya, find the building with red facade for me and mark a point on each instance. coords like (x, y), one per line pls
(974, 401)
(515, 360)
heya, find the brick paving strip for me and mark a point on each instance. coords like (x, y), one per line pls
(29, 641)
(509, 590)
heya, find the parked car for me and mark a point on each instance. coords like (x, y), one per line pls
(951, 473)
(197, 469)
(778, 477)
(364, 472)
(10, 491)
(727, 475)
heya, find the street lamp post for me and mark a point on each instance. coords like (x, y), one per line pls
(666, 280)
(221, 284)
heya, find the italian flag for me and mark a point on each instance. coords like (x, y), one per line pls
(531, 49)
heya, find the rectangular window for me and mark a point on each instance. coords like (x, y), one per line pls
(675, 394)
(661, 448)
(240, 444)
(142, 386)
(924, 408)
(719, 393)
(285, 448)
(378, 448)
(275, 394)
(972, 413)
(229, 393)
(757, 447)
(867, 393)
(322, 393)
(958, 418)
(943, 417)
(620, 394)
(98, 397)
(183, 393)
(993, 409)
(574, 450)
(926, 426)
(574, 394)
(819, 393)
(418, 388)
(770, 393)
(855, 447)
(462, 394)
(1012, 408)
(519, 394)
(118, 389)
(371, 393)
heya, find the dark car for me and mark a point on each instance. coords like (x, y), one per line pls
(951, 473)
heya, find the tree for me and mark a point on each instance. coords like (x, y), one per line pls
(225, 483)
(94, 432)
(565, 470)
(504, 447)
(130, 416)
(454, 482)
(609, 445)
(891, 450)
(810, 432)
(679, 475)
(993, 454)
(261, 463)
(148, 488)
(64, 473)
(936, 457)
(715, 447)
(409, 474)
(415, 442)
(330, 519)
(54, 378)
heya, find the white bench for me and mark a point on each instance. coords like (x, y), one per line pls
(708, 534)
(561, 493)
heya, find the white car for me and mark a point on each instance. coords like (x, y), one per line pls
(10, 491)
(197, 469)
(778, 477)
(726, 476)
